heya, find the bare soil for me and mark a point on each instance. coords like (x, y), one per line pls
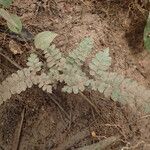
(116, 24)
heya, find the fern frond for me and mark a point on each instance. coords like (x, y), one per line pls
(73, 76)
(21, 80)
(79, 54)
(16, 83)
(53, 56)
(115, 86)
(33, 63)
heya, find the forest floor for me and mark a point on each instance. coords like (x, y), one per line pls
(116, 24)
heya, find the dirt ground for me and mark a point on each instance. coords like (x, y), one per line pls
(71, 122)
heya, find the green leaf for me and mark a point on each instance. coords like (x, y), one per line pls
(147, 34)
(13, 21)
(7, 17)
(6, 3)
(17, 20)
(44, 39)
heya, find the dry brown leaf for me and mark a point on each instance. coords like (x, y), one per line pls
(15, 47)
(93, 134)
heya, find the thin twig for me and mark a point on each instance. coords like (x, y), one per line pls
(134, 146)
(88, 100)
(11, 61)
(17, 138)
(146, 116)
(71, 141)
(60, 107)
(117, 127)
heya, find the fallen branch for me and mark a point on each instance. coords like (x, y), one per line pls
(16, 142)
(101, 145)
(71, 141)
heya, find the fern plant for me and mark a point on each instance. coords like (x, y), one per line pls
(68, 71)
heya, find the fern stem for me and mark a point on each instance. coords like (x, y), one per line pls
(60, 107)
(88, 100)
